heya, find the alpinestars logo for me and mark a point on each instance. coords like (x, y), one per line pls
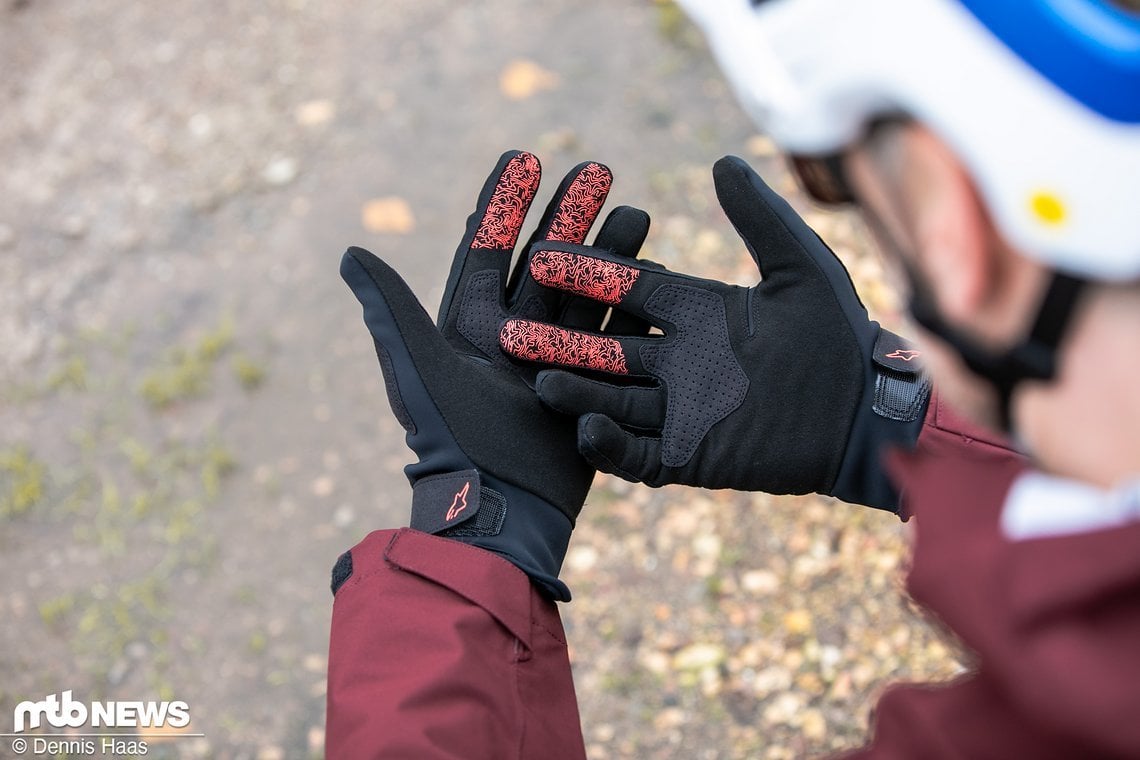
(61, 711)
(458, 503)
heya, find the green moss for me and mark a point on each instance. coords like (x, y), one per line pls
(23, 481)
(72, 375)
(185, 373)
(248, 372)
(138, 455)
(670, 20)
(183, 376)
(216, 342)
(55, 610)
(258, 642)
(217, 463)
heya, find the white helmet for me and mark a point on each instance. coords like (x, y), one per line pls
(1040, 99)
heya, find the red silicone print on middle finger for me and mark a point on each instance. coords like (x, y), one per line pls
(601, 280)
(580, 205)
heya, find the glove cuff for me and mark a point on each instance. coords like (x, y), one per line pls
(891, 412)
(479, 509)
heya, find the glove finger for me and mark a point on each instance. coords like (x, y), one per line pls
(609, 448)
(575, 204)
(599, 275)
(623, 234)
(779, 240)
(401, 329)
(550, 344)
(493, 228)
(568, 218)
(631, 405)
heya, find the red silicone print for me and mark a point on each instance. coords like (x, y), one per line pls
(580, 205)
(540, 342)
(600, 280)
(507, 208)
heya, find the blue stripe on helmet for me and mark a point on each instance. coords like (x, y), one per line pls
(1087, 48)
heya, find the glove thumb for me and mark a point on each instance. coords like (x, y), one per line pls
(780, 241)
(410, 348)
(609, 448)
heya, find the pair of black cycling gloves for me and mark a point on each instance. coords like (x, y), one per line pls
(533, 377)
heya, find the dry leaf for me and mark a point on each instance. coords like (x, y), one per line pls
(314, 113)
(797, 621)
(390, 214)
(163, 733)
(522, 79)
(761, 146)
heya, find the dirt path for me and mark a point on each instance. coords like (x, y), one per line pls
(192, 425)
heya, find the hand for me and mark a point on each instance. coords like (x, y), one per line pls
(785, 387)
(495, 468)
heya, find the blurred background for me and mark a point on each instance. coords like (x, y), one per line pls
(192, 421)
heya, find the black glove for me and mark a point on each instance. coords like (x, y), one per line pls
(785, 387)
(496, 468)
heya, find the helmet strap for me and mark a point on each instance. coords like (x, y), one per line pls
(1033, 358)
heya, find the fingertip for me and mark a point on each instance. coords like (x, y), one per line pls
(624, 231)
(596, 443)
(579, 202)
(505, 200)
(550, 387)
(597, 429)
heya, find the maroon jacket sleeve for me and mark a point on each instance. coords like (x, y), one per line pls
(442, 650)
(1054, 622)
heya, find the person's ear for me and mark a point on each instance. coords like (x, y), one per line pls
(952, 231)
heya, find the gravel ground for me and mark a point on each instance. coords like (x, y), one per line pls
(192, 424)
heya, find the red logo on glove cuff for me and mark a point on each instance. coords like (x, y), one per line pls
(459, 503)
(906, 354)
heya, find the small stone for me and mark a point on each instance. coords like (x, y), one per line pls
(655, 662)
(813, 725)
(323, 486)
(316, 741)
(697, 656)
(784, 708)
(280, 171)
(118, 672)
(74, 226)
(760, 582)
(581, 559)
(343, 516)
(201, 126)
(670, 717)
(772, 679)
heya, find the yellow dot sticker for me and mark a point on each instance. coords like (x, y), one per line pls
(1048, 208)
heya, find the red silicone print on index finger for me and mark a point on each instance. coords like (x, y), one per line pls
(503, 218)
(580, 204)
(597, 279)
(539, 342)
